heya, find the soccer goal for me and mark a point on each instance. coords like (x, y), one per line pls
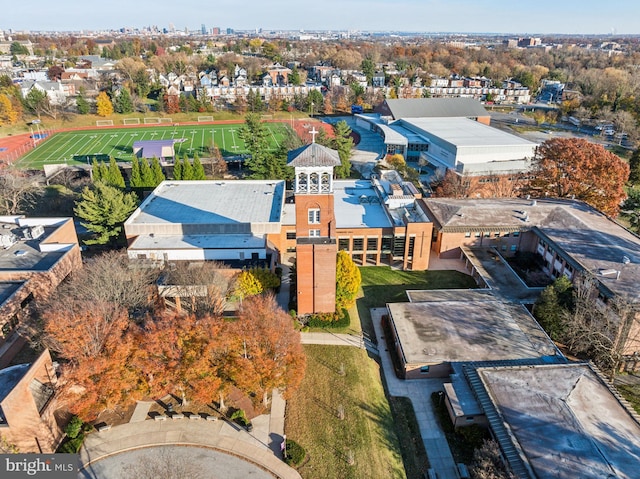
(104, 122)
(131, 121)
(202, 119)
(151, 121)
(266, 117)
(165, 120)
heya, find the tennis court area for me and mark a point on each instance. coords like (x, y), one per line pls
(84, 145)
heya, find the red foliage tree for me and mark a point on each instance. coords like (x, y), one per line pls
(267, 348)
(574, 167)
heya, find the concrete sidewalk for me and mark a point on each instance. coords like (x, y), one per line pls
(419, 391)
(261, 446)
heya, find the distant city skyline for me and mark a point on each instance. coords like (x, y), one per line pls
(571, 17)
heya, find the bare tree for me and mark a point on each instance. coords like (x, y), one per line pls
(110, 278)
(202, 287)
(487, 462)
(18, 191)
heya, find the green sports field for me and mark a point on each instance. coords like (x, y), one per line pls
(80, 146)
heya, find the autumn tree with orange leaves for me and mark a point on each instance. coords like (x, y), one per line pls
(94, 339)
(267, 349)
(574, 167)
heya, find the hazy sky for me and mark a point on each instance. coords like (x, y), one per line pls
(541, 16)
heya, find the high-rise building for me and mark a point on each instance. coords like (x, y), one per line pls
(203, 29)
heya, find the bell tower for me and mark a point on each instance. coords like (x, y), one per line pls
(316, 247)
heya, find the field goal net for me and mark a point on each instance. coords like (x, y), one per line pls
(165, 120)
(202, 119)
(104, 122)
(131, 121)
(151, 121)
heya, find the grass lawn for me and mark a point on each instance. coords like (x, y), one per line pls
(75, 146)
(632, 394)
(381, 285)
(367, 432)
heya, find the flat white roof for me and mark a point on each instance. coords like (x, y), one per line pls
(463, 132)
(223, 241)
(357, 205)
(212, 202)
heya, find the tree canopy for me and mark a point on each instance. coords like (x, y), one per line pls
(104, 107)
(348, 281)
(104, 209)
(577, 168)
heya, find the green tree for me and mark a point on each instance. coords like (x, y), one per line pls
(634, 166)
(136, 178)
(348, 281)
(369, 69)
(114, 175)
(247, 285)
(177, 169)
(343, 144)
(315, 100)
(156, 170)
(294, 77)
(96, 172)
(255, 137)
(198, 169)
(266, 278)
(36, 102)
(16, 48)
(82, 105)
(123, 103)
(552, 307)
(187, 169)
(146, 173)
(104, 209)
(631, 208)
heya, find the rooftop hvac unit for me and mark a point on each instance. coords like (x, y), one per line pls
(7, 241)
(33, 232)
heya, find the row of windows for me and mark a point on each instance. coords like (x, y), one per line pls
(393, 244)
(496, 234)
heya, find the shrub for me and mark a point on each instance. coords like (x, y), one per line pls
(240, 417)
(329, 320)
(74, 427)
(294, 453)
(72, 446)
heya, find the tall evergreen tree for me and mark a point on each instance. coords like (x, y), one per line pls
(198, 169)
(96, 174)
(82, 104)
(104, 209)
(343, 143)
(156, 169)
(115, 175)
(634, 166)
(177, 169)
(146, 174)
(123, 103)
(136, 178)
(103, 172)
(187, 169)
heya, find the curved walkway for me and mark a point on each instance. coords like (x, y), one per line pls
(218, 435)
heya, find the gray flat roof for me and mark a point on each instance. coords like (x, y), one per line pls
(26, 256)
(470, 328)
(11, 376)
(357, 205)
(7, 289)
(586, 235)
(463, 132)
(222, 241)
(435, 107)
(212, 202)
(566, 420)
